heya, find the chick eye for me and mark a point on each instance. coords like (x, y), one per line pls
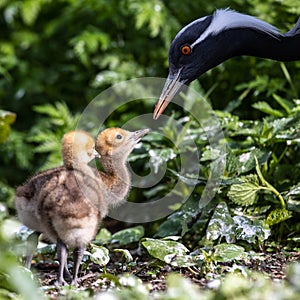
(186, 50)
(119, 136)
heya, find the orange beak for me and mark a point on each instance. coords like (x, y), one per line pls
(170, 89)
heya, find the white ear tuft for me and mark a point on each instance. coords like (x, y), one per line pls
(229, 19)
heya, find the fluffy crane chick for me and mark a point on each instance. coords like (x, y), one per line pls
(75, 198)
(114, 145)
(48, 202)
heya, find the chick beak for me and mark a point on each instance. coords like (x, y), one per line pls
(96, 154)
(137, 135)
(171, 88)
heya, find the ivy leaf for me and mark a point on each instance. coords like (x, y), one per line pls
(103, 237)
(177, 223)
(278, 215)
(221, 224)
(293, 198)
(172, 226)
(249, 230)
(47, 250)
(229, 252)
(129, 235)
(99, 255)
(161, 248)
(247, 160)
(181, 261)
(125, 254)
(245, 192)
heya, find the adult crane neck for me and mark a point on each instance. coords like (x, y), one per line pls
(246, 41)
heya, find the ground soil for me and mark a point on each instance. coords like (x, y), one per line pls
(153, 273)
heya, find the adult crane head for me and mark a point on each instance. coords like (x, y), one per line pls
(209, 41)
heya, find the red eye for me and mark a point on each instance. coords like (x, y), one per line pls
(186, 50)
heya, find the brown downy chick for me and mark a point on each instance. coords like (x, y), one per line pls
(27, 194)
(72, 202)
(114, 146)
(77, 149)
(73, 218)
(55, 202)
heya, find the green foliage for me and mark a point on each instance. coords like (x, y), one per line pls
(228, 252)
(161, 248)
(222, 225)
(103, 237)
(278, 215)
(16, 282)
(6, 119)
(99, 255)
(56, 56)
(48, 132)
(125, 254)
(244, 192)
(127, 236)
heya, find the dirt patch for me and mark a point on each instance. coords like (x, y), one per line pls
(94, 279)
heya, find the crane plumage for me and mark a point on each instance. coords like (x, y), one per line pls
(211, 40)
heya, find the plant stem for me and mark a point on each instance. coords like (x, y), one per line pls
(288, 78)
(268, 185)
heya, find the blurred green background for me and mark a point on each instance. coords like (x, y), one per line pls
(69, 51)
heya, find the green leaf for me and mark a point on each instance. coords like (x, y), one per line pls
(129, 235)
(103, 237)
(99, 255)
(266, 108)
(294, 191)
(181, 261)
(232, 162)
(245, 192)
(293, 198)
(229, 252)
(22, 280)
(247, 159)
(177, 223)
(161, 248)
(160, 156)
(172, 226)
(279, 126)
(285, 104)
(251, 231)
(49, 249)
(30, 10)
(210, 154)
(125, 254)
(129, 287)
(278, 215)
(221, 224)
(6, 119)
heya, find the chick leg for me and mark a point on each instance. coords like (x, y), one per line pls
(62, 255)
(77, 257)
(32, 242)
(67, 273)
